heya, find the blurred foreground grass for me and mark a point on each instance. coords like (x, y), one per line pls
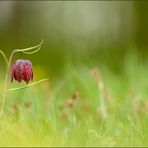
(75, 110)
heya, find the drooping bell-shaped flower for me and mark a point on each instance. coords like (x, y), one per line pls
(22, 70)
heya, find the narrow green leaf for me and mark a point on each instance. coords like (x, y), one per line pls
(4, 56)
(23, 87)
(31, 52)
(30, 48)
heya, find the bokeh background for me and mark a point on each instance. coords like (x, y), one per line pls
(95, 56)
(75, 32)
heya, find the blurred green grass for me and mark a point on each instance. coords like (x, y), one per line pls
(69, 111)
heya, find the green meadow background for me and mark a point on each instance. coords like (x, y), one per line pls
(95, 56)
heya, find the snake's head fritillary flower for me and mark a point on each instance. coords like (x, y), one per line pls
(22, 70)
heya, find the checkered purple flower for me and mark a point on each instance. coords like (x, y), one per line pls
(22, 70)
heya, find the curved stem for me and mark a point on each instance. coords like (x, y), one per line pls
(4, 56)
(5, 83)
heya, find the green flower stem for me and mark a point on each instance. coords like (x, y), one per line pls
(5, 83)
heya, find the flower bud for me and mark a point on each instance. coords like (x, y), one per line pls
(22, 70)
